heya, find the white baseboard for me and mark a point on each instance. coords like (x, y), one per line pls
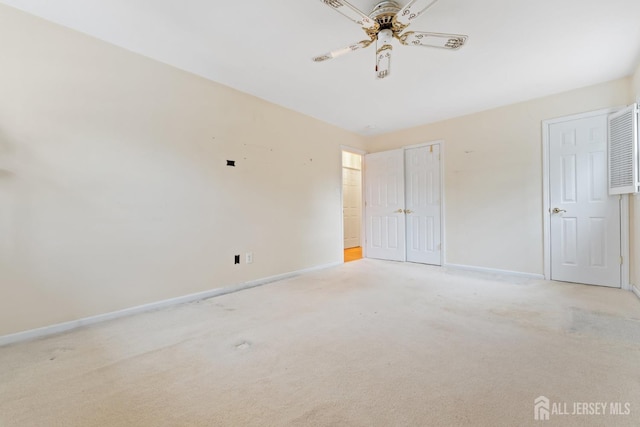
(494, 271)
(67, 326)
(635, 290)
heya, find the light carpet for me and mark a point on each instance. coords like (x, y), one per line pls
(369, 343)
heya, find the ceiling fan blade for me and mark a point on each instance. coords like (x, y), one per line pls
(352, 13)
(444, 41)
(339, 52)
(383, 54)
(411, 11)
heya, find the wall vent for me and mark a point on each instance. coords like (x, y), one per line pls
(622, 151)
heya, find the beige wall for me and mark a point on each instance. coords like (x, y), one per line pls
(493, 175)
(636, 83)
(114, 189)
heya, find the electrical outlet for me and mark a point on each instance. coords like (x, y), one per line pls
(248, 257)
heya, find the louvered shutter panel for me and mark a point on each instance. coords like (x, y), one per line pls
(622, 149)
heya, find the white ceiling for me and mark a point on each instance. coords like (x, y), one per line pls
(517, 50)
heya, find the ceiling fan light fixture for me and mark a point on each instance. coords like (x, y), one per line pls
(386, 21)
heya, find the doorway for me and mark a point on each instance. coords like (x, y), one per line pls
(352, 205)
(584, 225)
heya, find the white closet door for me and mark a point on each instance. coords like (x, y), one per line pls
(422, 183)
(384, 212)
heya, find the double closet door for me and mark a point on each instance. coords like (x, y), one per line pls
(403, 205)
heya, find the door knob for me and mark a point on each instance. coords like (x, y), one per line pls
(408, 211)
(398, 211)
(557, 210)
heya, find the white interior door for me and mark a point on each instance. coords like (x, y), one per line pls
(584, 219)
(422, 201)
(384, 211)
(351, 205)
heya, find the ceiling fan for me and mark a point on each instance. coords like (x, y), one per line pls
(388, 21)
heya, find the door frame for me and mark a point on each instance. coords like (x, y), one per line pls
(546, 203)
(362, 187)
(442, 198)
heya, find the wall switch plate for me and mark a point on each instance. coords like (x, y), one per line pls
(236, 259)
(248, 257)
